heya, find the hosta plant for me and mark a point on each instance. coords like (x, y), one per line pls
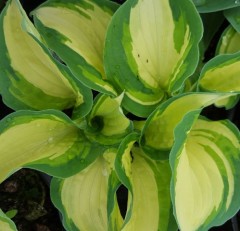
(109, 95)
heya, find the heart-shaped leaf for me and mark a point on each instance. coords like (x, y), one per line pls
(147, 59)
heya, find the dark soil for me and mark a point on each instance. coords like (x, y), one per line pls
(25, 197)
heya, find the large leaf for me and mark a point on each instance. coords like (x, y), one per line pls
(205, 162)
(158, 132)
(6, 224)
(83, 198)
(221, 74)
(148, 182)
(206, 6)
(106, 122)
(46, 140)
(147, 59)
(76, 31)
(30, 77)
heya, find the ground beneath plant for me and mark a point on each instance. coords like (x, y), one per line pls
(25, 198)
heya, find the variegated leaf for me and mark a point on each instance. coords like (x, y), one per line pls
(6, 224)
(229, 42)
(30, 77)
(106, 122)
(47, 140)
(83, 198)
(76, 30)
(205, 162)
(221, 74)
(148, 182)
(158, 132)
(147, 59)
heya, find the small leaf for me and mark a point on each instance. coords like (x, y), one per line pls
(5, 223)
(30, 77)
(205, 163)
(11, 213)
(148, 182)
(229, 42)
(47, 140)
(83, 198)
(76, 30)
(221, 74)
(106, 122)
(146, 59)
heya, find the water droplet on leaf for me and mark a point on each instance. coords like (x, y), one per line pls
(50, 139)
(104, 172)
(224, 40)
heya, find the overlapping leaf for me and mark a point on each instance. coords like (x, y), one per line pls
(46, 140)
(205, 183)
(6, 224)
(30, 77)
(76, 30)
(146, 59)
(158, 132)
(229, 42)
(149, 206)
(83, 198)
(221, 74)
(106, 122)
